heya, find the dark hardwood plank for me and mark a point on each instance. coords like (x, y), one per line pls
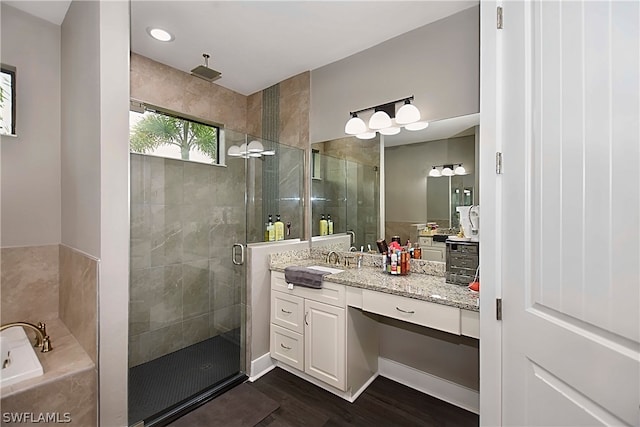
(384, 403)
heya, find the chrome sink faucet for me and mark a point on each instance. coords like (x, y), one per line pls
(42, 339)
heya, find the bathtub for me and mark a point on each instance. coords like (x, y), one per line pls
(19, 360)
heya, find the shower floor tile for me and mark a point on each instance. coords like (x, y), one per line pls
(160, 383)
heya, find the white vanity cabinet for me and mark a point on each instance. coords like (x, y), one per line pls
(432, 251)
(328, 336)
(308, 329)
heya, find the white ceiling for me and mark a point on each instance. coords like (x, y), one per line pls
(51, 10)
(256, 44)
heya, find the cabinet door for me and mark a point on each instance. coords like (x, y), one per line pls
(433, 253)
(324, 343)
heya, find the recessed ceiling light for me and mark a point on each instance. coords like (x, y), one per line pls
(160, 34)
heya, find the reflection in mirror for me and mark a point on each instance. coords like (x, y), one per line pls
(411, 195)
(346, 185)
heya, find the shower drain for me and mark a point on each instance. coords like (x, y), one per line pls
(206, 366)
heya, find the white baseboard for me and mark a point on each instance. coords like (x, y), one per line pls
(440, 388)
(261, 366)
(348, 396)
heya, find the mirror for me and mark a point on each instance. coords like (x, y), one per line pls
(410, 196)
(346, 185)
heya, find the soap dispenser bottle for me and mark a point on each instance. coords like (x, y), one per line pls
(324, 226)
(279, 228)
(271, 230)
(329, 225)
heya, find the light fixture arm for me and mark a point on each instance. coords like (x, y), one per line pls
(381, 106)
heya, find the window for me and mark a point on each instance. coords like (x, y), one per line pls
(163, 134)
(7, 100)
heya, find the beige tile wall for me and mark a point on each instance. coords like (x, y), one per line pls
(78, 300)
(75, 395)
(163, 86)
(29, 284)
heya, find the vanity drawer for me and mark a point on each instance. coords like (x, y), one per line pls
(424, 313)
(330, 293)
(287, 311)
(287, 346)
(470, 323)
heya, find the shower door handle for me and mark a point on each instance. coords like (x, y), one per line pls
(234, 254)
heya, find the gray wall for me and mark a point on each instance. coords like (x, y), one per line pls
(81, 129)
(438, 64)
(31, 162)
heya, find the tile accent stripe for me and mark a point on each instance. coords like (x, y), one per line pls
(271, 132)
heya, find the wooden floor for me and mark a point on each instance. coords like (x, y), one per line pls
(384, 403)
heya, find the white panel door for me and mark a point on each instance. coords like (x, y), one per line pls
(570, 267)
(324, 343)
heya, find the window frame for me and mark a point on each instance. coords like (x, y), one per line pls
(142, 107)
(8, 69)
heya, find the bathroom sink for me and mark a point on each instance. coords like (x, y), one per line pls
(327, 269)
(19, 360)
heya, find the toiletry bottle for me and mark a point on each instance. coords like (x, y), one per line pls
(279, 228)
(394, 263)
(266, 229)
(329, 224)
(324, 226)
(271, 230)
(384, 262)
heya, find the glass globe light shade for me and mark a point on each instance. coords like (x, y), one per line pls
(379, 120)
(366, 135)
(435, 173)
(417, 125)
(460, 170)
(255, 147)
(447, 171)
(233, 151)
(393, 130)
(408, 113)
(355, 125)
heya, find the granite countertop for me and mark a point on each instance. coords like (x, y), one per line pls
(414, 285)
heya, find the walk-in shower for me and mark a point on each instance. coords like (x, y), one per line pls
(190, 223)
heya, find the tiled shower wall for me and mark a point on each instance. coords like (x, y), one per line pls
(184, 288)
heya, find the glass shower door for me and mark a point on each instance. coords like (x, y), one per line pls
(188, 282)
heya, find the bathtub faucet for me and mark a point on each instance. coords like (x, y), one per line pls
(42, 339)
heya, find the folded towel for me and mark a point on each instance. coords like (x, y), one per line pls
(303, 276)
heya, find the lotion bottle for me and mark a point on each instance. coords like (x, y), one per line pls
(329, 224)
(271, 230)
(324, 226)
(279, 228)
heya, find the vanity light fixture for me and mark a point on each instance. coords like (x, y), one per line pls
(160, 34)
(447, 170)
(385, 119)
(254, 149)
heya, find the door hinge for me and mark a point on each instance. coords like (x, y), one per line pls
(498, 308)
(499, 18)
(498, 163)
